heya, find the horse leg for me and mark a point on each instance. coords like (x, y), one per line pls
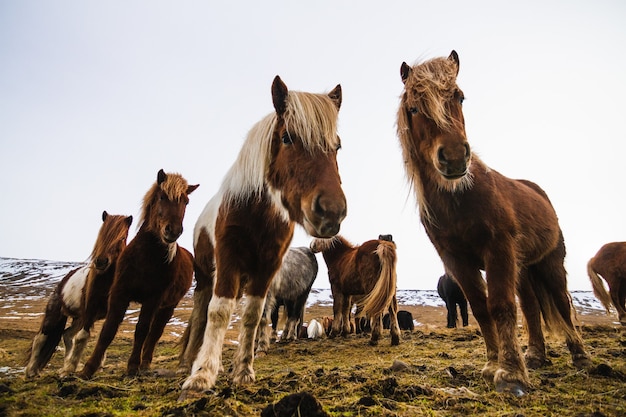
(243, 372)
(208, 362)
(535, 355)
(146, 315)
(451, 317)
(346, 306)
(290, 332)
(274, 317)
(377, 325)
(162, 316)
(464, 315)
(473, 286)
(501, 271)
(114, 317)
(338, 300)
(69, 337)
(193, 335)
(394, 327)
(263, 331)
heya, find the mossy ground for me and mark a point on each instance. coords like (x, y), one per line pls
(436, 373)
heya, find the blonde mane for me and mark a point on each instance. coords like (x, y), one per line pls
(428, 87)
(114, 228)
(174, 187)
(311, 117)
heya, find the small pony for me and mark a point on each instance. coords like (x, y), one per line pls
(314, 330)
(366, 273)
(452, 295)
(286, 174)
(153, 270)
(478, 219)
(81, 295)
(609, 264)
(290, 287)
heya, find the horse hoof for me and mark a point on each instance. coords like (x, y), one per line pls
(514, 388)
(535, 363)
(582, 362)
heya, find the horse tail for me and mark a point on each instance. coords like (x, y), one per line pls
(598, 287)
(47, 339)
(380, 297)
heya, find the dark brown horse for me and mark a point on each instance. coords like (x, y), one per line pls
(153, 270)
(610, 264)
(479, 219)
(365, 274)
(81, 295)
(286, 173)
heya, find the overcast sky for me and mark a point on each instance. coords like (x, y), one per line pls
(96, 97)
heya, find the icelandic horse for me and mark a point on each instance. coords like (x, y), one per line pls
(610, 264)
(365, 274)
(153, 270)
(82, 296)
(285, 173)
(290, 287)
(478, 219)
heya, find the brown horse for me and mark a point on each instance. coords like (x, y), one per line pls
(610, 264)
(81, 295)
(365, 274)
(479, 219)
(153, 270)
(286, 173)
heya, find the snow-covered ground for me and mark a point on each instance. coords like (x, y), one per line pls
(26, 278)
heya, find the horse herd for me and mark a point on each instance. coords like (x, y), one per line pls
(286, 174)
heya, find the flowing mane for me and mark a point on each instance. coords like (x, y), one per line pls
(175, 187)
(311, 117)
(116, 231)
(428, 88)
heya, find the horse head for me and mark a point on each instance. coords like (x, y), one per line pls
(431, 119)
(303, 158)
(111, 240)
(165, 205)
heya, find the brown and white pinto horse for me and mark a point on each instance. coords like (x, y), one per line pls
(365, 274)
(286, 173)
(81, 295)
(153, 270)
(479, 219)
(610, 264)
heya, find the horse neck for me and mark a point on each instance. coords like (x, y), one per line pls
(150, 239)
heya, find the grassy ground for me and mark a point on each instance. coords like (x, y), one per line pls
(434, 372)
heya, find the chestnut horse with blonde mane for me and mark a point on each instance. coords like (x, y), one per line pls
(153, 270)
(478, 219)
(610, 264)
(286, 173)
(81, 295)
(365, 274)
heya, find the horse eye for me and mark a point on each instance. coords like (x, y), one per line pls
(287, 139)
(413, 110)
(461, 99)
(338, 147)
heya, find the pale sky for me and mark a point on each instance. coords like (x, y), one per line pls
(96, 97)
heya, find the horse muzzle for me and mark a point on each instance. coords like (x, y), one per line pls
(325, 217)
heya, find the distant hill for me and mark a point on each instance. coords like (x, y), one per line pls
(24, 278)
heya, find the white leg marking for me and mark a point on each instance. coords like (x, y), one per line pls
(207, 364)
(243, 372)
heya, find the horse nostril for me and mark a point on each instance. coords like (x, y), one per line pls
(442, 157)
(468, 151)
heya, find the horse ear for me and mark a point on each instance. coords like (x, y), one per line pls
(405, 71)
(129, 220)
(192, 188)
(161, 176)
(455, 57)
(279, 95)
(104, 215)
(335, 96)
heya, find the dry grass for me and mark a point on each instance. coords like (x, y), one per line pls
(434, 372)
